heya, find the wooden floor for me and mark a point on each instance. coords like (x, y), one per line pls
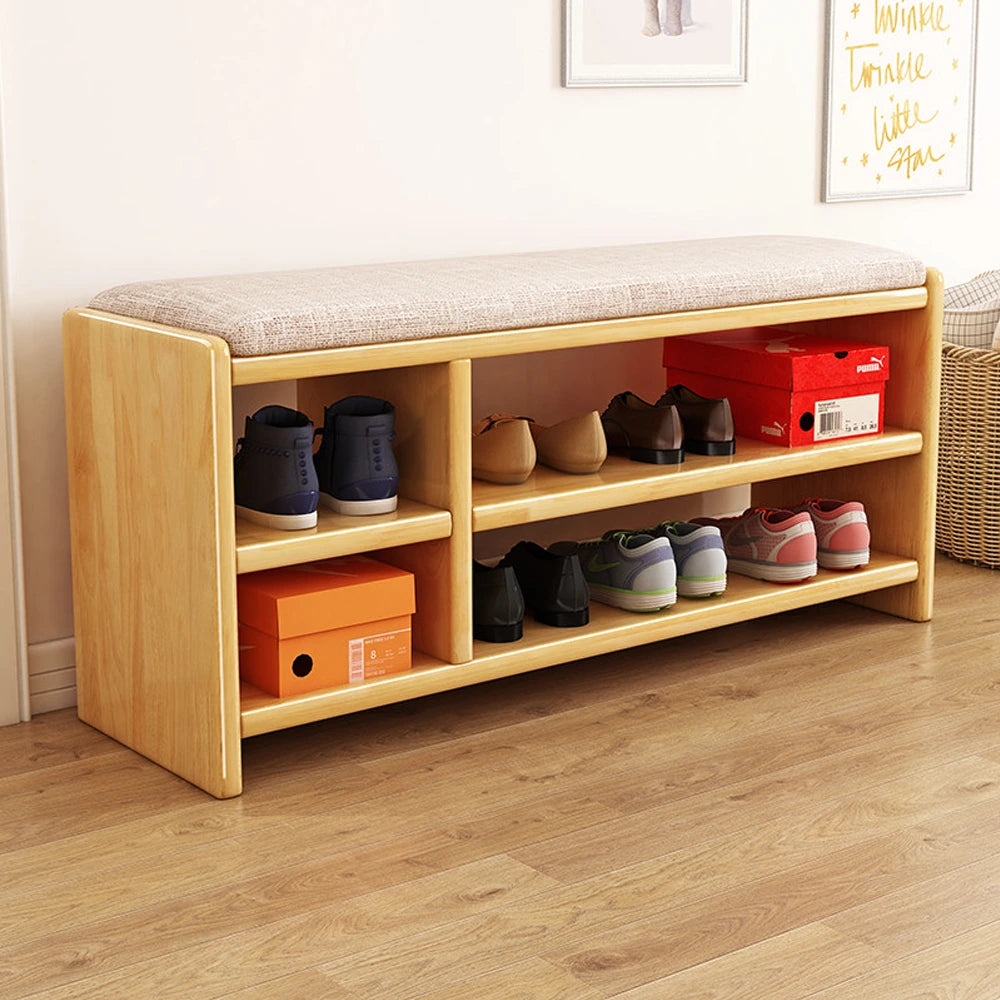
(805, 806)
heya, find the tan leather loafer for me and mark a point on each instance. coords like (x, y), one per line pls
(576, 445)
(649, 433)
(503, 450)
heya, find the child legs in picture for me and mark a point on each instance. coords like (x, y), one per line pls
(651, 23)
(672, 17)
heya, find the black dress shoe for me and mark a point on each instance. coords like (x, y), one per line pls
(552, 582)
(708, 423)
(648, 433)
(497, 604)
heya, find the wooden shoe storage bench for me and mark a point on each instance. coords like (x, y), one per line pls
(157, 550)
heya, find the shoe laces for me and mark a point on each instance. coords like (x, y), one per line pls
(243, 445)
(766, 513)
(834, 504)
(625, 535)
(375, 446)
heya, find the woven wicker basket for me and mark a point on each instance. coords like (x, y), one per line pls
(972, 311)
(968, 493)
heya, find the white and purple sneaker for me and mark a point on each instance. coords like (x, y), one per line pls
(700, 557)
(632, 570)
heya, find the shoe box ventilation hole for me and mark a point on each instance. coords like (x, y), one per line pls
(302, 665)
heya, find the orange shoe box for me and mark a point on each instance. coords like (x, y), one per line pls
(323, 624)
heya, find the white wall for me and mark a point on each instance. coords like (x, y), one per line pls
(163, 139)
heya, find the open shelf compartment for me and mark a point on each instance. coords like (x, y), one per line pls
(547, 494)
(542, 646)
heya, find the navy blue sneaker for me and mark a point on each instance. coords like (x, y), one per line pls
(355, 462)
(274, 478)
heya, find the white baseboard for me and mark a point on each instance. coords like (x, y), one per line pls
(52, 675)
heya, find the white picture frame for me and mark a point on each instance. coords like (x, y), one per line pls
(900, 92)
(623, 43)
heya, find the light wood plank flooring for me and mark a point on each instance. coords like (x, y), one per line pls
(805, 806)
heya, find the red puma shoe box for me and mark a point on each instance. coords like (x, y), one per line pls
(785, 388)
(323, 624)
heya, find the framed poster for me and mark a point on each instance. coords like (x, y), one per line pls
(899, 98)
(654, 43)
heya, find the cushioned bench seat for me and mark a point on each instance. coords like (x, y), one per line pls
(278, 312)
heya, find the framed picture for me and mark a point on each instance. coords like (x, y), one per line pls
(654, 43)
(899, 99)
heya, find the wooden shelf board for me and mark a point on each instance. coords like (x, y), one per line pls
(541, 646)
(547, 493)
(258, 547)
(430, 350)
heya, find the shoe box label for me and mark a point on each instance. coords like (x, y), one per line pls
(377, 655)
(851, 416)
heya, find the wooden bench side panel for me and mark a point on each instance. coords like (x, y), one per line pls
(149, 441)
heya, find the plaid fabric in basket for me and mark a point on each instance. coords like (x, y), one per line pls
(972, 312)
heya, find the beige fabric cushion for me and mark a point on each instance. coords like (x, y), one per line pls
(277, 312)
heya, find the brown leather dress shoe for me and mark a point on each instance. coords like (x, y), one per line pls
(576, 445)
(503, 450)
(708, 423)
(649, 433)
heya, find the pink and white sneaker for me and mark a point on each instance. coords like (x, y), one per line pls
(768, 543)
(843, 540)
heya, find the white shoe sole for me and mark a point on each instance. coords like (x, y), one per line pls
(629, 600)
(773, 572)
(843, 560)
(359, 507)
(710, 587)
(285, 522)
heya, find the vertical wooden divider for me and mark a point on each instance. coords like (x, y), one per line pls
(433, 449)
